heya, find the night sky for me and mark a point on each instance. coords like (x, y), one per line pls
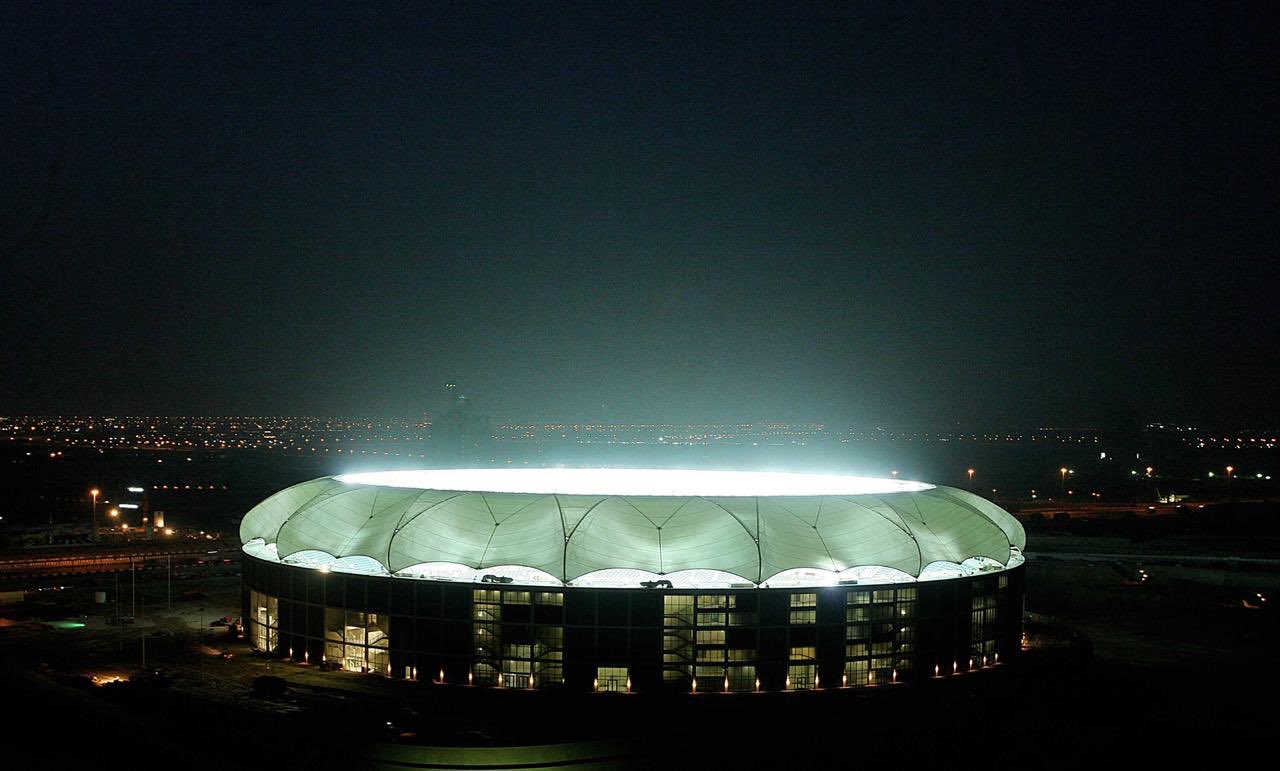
(863, 214)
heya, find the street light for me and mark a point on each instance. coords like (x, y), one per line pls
(1063, 471)
(971, 473)
(94, 495)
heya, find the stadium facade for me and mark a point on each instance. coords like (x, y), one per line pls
(633, 580)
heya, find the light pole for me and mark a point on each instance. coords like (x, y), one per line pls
(94, 495)
(1063, 471)
(971, 473)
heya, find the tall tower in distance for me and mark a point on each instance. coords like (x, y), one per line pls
(460, 437)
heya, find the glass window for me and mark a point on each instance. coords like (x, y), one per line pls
(358, 641)
(677, 609)
(264, 624)
(484, 673)
(612, 679)
(712, 678)
(805, 600)
(856, 672)
(801, 677)
(803, 653)
(710, 637)
(742, 678)
(520, 664)
(799, 617)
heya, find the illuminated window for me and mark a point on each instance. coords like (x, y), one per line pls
(358, 641)
(264, 625)
(802, 673)
(678, 649)
(804, 616)
(523, 655)
(612, 679)
(710, 637)
(804, 608)
(856, 672)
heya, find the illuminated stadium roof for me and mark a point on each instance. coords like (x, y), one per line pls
(620, 526)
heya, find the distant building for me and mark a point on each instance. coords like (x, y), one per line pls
(460, 436)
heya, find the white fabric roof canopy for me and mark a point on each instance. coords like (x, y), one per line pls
(571, 535)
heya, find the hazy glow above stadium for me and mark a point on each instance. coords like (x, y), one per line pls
(662, 482)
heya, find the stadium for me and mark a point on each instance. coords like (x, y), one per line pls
(633, 580)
